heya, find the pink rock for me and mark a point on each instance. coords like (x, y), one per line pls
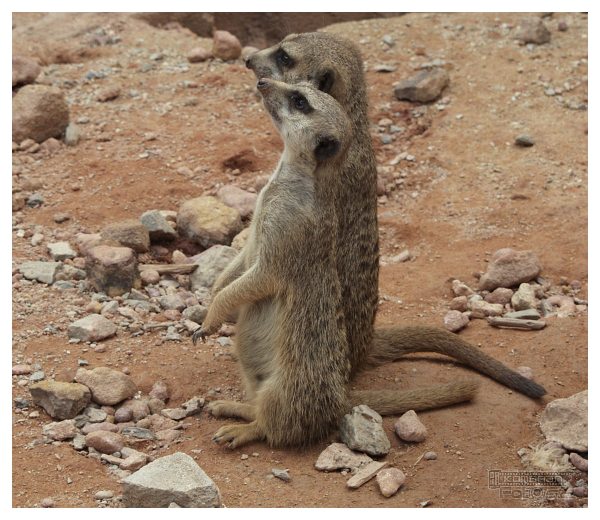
(226, 46)
(160, 390)
(108, 94)
(105, 442)
(24, 70)
(138, 407)
(459, 303)
(579, 462)
(461, 289)
(409, 428)
(390, 480)
(455, 321)
(508, 268)
(564, 305)
(113, 270)
(98, 427)
(150, 277)
(61, 431)
(108, 386)
(86, 241)
(500, 295)
(198, 54)
(525, 372)
(20, 370)
(239, 199)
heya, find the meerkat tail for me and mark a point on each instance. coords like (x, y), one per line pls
(394, 402)
(392, 343)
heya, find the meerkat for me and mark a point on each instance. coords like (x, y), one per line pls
(289, 293)
(334, 65)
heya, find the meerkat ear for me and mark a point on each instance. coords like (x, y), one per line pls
(325, 80)
(326, 148)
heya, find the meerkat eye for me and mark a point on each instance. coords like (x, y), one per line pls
(299, 101)
(283, 58)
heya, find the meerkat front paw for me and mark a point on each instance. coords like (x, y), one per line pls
(222, 408)
(200, 333)
(236, 435)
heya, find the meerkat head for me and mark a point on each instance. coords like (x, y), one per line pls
(328, 62)
(313, 125)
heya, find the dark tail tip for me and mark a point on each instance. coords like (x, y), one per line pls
(527, 387)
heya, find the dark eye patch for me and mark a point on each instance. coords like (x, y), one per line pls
(283, 59)
(300, 103)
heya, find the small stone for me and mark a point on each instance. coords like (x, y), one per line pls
(59, 218)
(24, 70)
(79, 442)
(390, 480)
(564, 305)
(455, 320)
(579, 462)
(138, 407)
(60, 431)
(174, 413)
(35, 200)
(481, 309)
(138, 433)
(60, 400)
(508, 268)
(365, 474)
(580, 491)
(61, 251)
(149, 277)
(425, 86)
(339, 456)
(238, 199)
(158, 226)
(105, 442)
(172, 301)
(460, 303)
(524, 298)
(430, 455)
(198, 55)
(108, 94)
(210, 265)
(193, 406)
(123, 415)
(533, 30)
(409, 428)
(524, 141)
(566, 421)
(174, 478)
(44, 272)
(95, 415)
(96, 427)
(93, 327)
(527, 314)
(47, 502)
(108, 386)
(195, 313)
(72, 134)
(281, 474)
(362, 430)
(20, 370)
(104, 495)
(39, 112)
(37, 376)
(526, 372)
(112, 270)
(168, 436)
(562, 26)
(127, 233)
(160, 390)
(86, 241)
(226, 46)
(461, 289)
(500, 295)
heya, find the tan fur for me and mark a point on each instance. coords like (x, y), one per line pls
(334, 64)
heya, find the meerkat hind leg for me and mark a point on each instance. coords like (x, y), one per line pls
(234, 409)
(236, 435)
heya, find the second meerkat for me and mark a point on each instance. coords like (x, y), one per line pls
(289, 292)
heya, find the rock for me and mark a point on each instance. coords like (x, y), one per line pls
(112, 270)
(425, 86)
(108, 386)
(508, 268)
(172, 301)
(239, 240)
(226, 46)
(61, 251)
(86, 241)
(207, 221)
(365, 474)
(38, 375)
(461, 289)
(60, 400)
(24, 70)
(480, 308)
(44, 272)
(72, 134)
(390, 480)
(134, 460)
(500, 295)
(455, 321)
(210, 265)
(123, 415)
(193, 406)
(108, 94)
(339, 456)
(104, 495)
(160, 390)
(79, 442)
(47, 502)
(138, 408)
(524, 298)
(564, 305)
(168, 436)
(149, 277)
(460, 303)
(579, 462)
(526, 372)
(566, 421)
(93, 327)
(175, 414)
(158, 226)
(39, 112)
(362, 430)
(409, 428)
(20, 370)
(281, 474)
(580, 491)
(155, 405)
(430, 455)
(60, 431)
(562, 26)
(527, 314)
(533, 30)
(127, 233)
(198, 54)
(524, 140)
(95, 415)
(195, 313)
(97, 427)
(174, 478)
(105, 442)
(35, 200)
(138, 433)
(238, 199)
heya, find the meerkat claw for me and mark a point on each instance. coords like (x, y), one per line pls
(199, 334)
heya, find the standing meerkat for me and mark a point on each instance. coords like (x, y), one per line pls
(334, 65)
(289, 294)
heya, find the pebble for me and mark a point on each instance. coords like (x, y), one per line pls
(527, 314)
(108, 386)
(425, 86)
(158, 226)
(524, 141)
(127, 233)
(281, 474)
(430, 455)
(174, 413)
(390, 480)
(44, 272)
(39, 112)
(104, 495)
(461, 289)
(455, 321)
(61, 251)
(105, 441)
(562, 26)
(238, 199)
(112, 270)
(339, 456)
(150, 277)
(362, 430)
(564, 305)
(20, 370)
(524, 298)
(47, 502)
(365, 474)
(481, 309)
(93, 327)
(533, 30)
(226, 46)
(210, 265)
(526, 372)
(195, 313)
(566, 421)
(37, 239)
(24, 70)
(59, 399)
(409, 428)
(459, 303)
(108, 94)
(508, 268)
(500, 295)
(60, 431)
(193, 406)
(160, 390)
(579, 462)
(198, 55)
(59, 218)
